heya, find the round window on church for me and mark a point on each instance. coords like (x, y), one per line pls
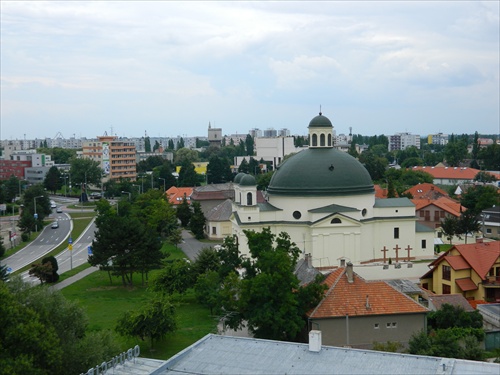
(363, 212)
(297, 215)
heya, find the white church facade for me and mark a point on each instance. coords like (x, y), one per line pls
(325, 200)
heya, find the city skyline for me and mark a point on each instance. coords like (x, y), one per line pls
(169, 68)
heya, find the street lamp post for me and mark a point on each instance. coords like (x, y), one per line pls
(129, 194)
(35, 214)
(164, 190)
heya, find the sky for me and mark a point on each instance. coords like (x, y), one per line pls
(168, 69)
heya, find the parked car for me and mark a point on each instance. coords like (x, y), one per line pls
(55, 225)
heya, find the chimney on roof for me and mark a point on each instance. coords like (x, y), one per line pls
(367, 305)
(479, 239)
(349, 272)
(314, 340)
(309, 260)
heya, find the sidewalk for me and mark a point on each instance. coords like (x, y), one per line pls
(74, 278)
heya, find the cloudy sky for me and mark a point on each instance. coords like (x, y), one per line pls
(169, 68)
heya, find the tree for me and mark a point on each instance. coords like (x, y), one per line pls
(352, 150)
(218, 170)
(467, 223)
(175, 237)
(171, 145)
(375, 165)
(197, 221)
(156, 146)
(41, 329)
(480, 197)
(207, 289)
(270, 298)
(147, 144)
(165, 172)
(184, 212)
(180, 143)
(12, 188)
(449, 316)
(490, 157)
(244, 167)
(84, 172)
(34, 195)
(52, 181)
(187, 175)
(249, 144)
(449, 227)
(455, 151)
(175, 277)
(263, 180)
(484, 177)
(154, 321)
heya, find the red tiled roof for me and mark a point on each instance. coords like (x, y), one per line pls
(175, 194)
(446, 204)
(453, 173)
(380, 192)
(457, 262)
(344, 298)
(426, 190)
(480, 256)
(466, 284)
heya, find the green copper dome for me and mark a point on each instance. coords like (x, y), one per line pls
(320, 121)
(321, 172)
(238, 177)
(247, 180)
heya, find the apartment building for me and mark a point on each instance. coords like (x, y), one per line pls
(401, 141)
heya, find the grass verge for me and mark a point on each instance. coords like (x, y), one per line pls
(105, 300)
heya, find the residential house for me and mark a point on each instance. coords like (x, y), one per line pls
(212, 195)
(472, 270)
(176, 194)
(357, 313)
(218, 224)
(436, 301)
(490, 222)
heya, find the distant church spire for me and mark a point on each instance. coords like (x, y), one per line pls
(209, 126)
(320, 110)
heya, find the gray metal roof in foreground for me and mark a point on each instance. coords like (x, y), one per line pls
(229, 355)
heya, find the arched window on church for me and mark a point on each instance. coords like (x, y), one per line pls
(329, 140)
(314, 140)
(249, 199)
(322, 140)
(336, 221)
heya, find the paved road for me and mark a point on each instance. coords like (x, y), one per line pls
(43, 244)
(191, 246)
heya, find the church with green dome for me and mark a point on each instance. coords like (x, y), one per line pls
(325, 200)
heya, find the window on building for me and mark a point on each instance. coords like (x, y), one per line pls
(394, 325)
(446, 272)
(424, 244)
(214, 230)
(376, 326)
(322, 140)
(396, 232)
(488, 230)
(314, 140)
(440, 234)
(388, 325)
(446, 289)
(336, 221)
(422, 213)
(442, 215)
(249, 199)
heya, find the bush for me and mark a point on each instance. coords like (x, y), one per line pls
(25, 237)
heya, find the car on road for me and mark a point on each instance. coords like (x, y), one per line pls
(55, 225)
(95, 195)
(53, 204)
(59, 210)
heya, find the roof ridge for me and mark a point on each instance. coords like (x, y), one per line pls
(329, 290)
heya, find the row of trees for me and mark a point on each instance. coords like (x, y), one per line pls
(129, 237)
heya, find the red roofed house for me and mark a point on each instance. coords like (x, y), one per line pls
(472, 270)
(356, 313)
(176, 194)
(432, 204)
(450, 175)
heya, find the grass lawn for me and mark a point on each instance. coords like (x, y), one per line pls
(105, 302)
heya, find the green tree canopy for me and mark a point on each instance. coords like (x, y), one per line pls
(52, 181)
(218, 170)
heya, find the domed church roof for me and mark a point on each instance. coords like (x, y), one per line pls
(248, 180)
(320, 121)
(321, 172)
(238, 177)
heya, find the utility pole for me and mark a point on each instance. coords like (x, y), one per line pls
(35, 214)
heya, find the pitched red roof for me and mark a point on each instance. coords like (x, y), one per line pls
(344, 298)
(479, 256)
(175, 194)
(457, 262)
(453, 173)
(380, 192)
(426, 190)
(466, 284)
(444, 203)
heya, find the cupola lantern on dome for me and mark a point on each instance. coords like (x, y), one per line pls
(320, 132)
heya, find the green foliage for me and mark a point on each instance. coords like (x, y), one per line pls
(480, 197)
(244, 167)
(449, 227)
(207, 260)
(27, 222)
(85, 171)
(197, 221)
(184, 213)
(150, 163)
(389, 346)
(490, 157)
(52, 181)
(218, 170)
(147, 144)
(249, 145)
(154, 321)
(175, 277)
(41, 329)
(455, 151)
(207, 289)
(263, 180)
(184, 156)
(467, 223)
(375, 165)
(187, 175)
(449, 316)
